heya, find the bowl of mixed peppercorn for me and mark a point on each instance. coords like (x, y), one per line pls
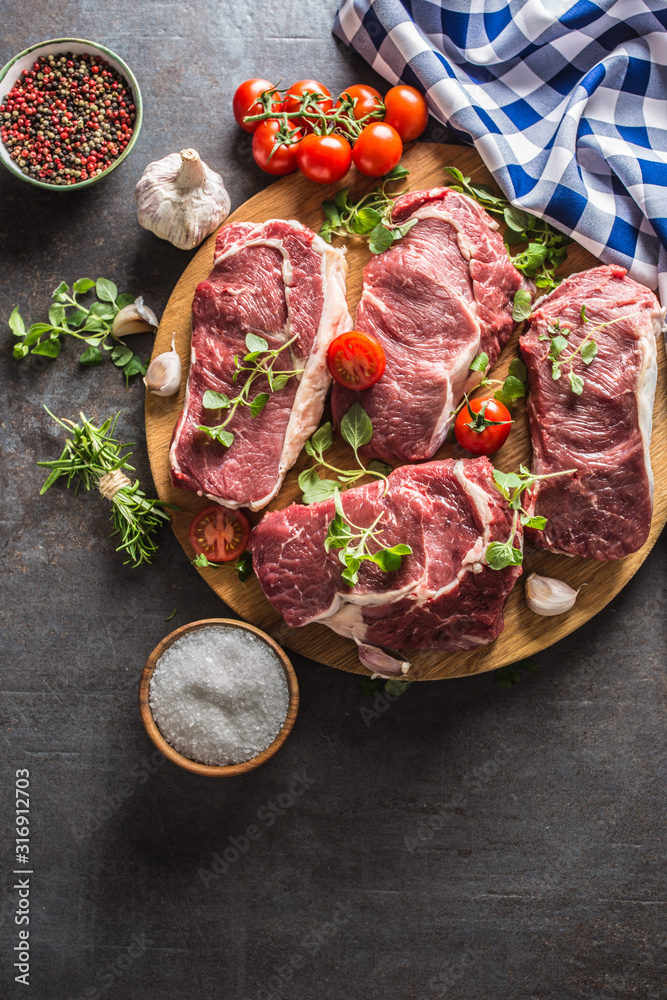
(70, 112)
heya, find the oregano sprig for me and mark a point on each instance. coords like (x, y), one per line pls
(69, 316)
(369, 217)
(513, 387)
(356, 429)
(353, 543)
(258, 363)
(587, 348)
(512, 486)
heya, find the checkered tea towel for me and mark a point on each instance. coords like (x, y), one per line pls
(566, 102)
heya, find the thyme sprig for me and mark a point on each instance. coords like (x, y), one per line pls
(93, 324)
(353, 543)
(369, 217)
(512, 486)
(356, 429)
(587, 348)
(93, 453)
(546, 249)
(258, 363)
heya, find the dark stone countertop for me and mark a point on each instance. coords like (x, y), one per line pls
(463, 842)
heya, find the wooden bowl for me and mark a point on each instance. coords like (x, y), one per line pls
(193, 765)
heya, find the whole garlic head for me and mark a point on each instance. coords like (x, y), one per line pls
(180, 199)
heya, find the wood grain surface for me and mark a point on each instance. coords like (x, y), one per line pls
(525, 633)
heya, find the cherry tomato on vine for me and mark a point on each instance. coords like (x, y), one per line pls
(283, 161)
(246, 101)
(377, 150)
(367, 99)
(292, 99)
(407, 111)
(324, 158)
(356, 360)
(482, 426)
(219, 533)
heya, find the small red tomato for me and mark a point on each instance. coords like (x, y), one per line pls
(293, 99)
(219, 533)
(324, 158)
(407, 111)
(482, 426)
(377, 150)
(356, 360)
(283, 160)
(366, 99)
(246, 102)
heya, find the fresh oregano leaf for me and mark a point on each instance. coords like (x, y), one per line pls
(258, 403)
(106, 290)
(576, 383)
(381, 239)
(48, 348)
(92, 356)
(84, 285)
(356, 427)
(215, 400)
(480, 363)
(522, 306)
(499, 555)
(16, 324)
(589, 351)
(218, 434)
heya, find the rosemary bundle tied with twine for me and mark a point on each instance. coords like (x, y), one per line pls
(93, 459)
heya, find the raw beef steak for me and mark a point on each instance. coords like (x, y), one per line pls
(280, 281)
(444, 596)
(603, 509)
(435, 300)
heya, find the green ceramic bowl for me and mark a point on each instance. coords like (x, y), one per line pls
(24, 60)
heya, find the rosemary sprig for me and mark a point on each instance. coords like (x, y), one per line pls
(511, 486)
(353, 542)
(261, 361)
(89, 459)
(356, 429)
(69, 317)
(546, 249)
(369, 217)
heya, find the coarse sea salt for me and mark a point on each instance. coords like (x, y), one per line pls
(219, 695)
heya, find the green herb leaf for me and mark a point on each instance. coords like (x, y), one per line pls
(315, 489)
(381, 467)
(396, 687)
(243, 566)
(93, 356)
(56, 314)
(506, 481)
(135, 366)
(518, 370)
(202, 561)
(511, 390)
(365, 221)
(36, 331)
(351, 572)
(84, 285)
(381, 239)
(332, 213)
(16, 324)
(215, 400)
(218, 434)
(480, 363)
(499, 555)
(20, 351)
(121, 354)
(397, 173)
(356, 427)
(256, 344)
(517, 219)
(391, 559)
(258, 403)
(125, 299)
(60, 293)
(278, 382)
(539, 523)
(588, 351)
(48, 348)
(322, 439)
(522, 307)
(371, 685)
(340, 199)
(576, 383)
(105, 290)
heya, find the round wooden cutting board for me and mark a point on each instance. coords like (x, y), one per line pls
(525, 633)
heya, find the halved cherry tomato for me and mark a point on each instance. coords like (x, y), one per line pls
(219, 533)
(482, 426)
(283, 161)
(246, 102)
(324, 158)
(292, 99)
(377, 150)
(407, 111)
(356, 360)
(367, 99)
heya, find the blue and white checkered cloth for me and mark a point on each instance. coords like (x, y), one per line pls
(566, 102)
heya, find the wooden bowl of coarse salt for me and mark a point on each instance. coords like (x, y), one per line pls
(218, 697)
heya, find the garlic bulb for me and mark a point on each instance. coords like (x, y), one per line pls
(180, 199)
(163, 377)
(135, 318)
(547, 596)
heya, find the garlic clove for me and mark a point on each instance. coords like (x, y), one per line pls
(548, 596)
(134, 318)
(180, 199)
(163, 377)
